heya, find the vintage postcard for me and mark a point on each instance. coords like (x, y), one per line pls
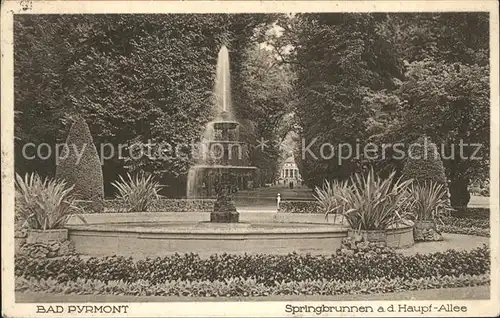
(250, 158)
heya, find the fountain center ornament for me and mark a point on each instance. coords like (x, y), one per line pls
(224, 165)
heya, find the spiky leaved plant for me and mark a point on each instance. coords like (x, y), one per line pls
(375, 203)
(137, 193)
(43, 204)
(330, 197)
(429, 201)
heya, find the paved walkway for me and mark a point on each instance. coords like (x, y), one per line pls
(264, 199)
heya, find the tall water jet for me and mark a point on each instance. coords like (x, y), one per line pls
(222, 87)
(220, 170)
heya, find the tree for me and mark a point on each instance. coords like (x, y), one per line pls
(340, 59)
(263, 103)
(450, 103)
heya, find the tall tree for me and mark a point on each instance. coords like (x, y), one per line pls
(340, 60)
(264, 101)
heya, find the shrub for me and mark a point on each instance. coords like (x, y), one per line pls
(43, 204)
(299, 206)
(429, 201)
(424, 163)
(374, 203)
(79, 165)
(137, 194)
(265, 269)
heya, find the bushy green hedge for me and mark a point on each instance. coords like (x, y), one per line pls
(160, 205)
(244, 287)
(265, 269)
(424, 163)
(79, 165)
(302, 206)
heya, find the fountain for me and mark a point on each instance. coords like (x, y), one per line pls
(219, 171)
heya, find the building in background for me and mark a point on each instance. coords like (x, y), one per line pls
(289, 174)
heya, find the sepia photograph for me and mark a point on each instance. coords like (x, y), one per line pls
(316, 159)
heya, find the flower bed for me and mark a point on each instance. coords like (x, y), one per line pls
(299, 206)
(466, 225)
(264, 269)
(245, 287)
(472, 213)
(160, 205)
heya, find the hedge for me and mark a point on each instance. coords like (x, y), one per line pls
(79, 165)
(244, 287)
(299, 206)
(265, 269)
(160, 205)
(424, 165)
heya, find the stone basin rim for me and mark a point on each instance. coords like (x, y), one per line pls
(219, 229)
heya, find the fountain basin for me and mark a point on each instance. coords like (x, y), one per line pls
(159, 234)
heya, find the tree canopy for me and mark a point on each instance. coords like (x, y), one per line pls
(338, 78)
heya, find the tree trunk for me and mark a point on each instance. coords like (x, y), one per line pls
(459, 193)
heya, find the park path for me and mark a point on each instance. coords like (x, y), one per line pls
(264, 199)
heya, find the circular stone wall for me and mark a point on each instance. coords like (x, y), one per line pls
(156, 234)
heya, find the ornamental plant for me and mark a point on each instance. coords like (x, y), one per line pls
(424, 163)
(375, 203)
(79, 166)
(43, 204)
(330, 197)
(429, 201)
(137, 193)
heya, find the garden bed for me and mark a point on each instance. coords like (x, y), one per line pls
(245, 288)
(264, 268)
(479, 225)
(254, 275)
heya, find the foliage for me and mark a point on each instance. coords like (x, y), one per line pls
(264, 269)
(467, 230)
(137, 194)
(339, 60)
(466, 225)
(466, 222)
(43, 204)
(300, 206)
(262, 96)
(374, 203)
(163, 205)
(79, 165)
(429, 201)
(423, 163)
(244, 287)
(331, 197)
(136, 78)
(472, 213)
